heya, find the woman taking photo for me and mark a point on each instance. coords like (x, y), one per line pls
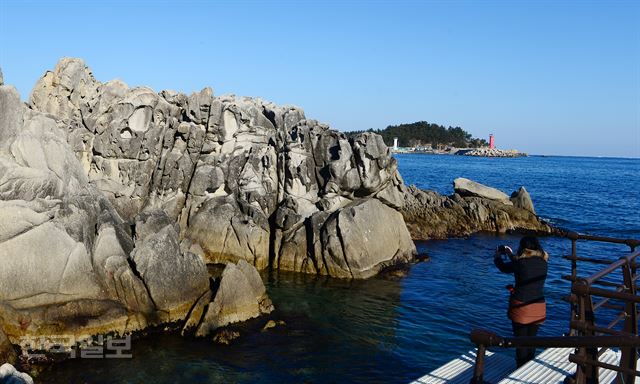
(527, 307)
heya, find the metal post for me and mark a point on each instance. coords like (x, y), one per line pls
(478, 370)
(574, 263)
(574, 274)
(591, 371)
(586, 373)
(629, 354)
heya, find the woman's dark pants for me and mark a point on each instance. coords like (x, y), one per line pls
(520, 330)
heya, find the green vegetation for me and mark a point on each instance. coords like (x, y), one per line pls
(422, 133)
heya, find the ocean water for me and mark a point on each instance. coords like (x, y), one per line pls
(394, 331)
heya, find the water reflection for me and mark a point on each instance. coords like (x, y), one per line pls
(336, 330)
(344, 331)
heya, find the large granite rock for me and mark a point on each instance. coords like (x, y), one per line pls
(70, 263)
(242, 177)
(430, 215)
(465, 187)
(50, 220)
(362, 239)
(113, 200)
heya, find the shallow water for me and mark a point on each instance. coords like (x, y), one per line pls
(393, 331)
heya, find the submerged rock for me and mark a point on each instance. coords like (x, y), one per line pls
(273, 324)
(225, 336)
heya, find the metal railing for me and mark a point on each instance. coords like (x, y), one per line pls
(590, 339)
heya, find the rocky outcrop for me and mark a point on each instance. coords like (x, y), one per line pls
(9, 375)
(115, 202)
(53, 231)
(240, 296)
(245, 179)
(465, 187)
(430, 215)
(71, 264)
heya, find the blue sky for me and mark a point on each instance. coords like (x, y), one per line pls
(545, 77)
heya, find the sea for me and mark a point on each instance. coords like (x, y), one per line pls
(385, 330)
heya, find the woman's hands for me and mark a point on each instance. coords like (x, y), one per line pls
(505, 266)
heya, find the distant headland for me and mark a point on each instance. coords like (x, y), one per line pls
(475, 152)
(423, 137)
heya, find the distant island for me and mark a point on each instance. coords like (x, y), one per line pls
(425, 137)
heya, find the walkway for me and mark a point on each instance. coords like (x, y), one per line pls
(550, 367)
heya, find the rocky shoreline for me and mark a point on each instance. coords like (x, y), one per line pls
(472, 208)
(122, 209)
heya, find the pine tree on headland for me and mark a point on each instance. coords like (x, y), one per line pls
(424, 133)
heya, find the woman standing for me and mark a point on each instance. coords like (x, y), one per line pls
(527, 307)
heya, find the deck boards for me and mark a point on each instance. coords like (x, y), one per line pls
(549, 367)
(460, 370)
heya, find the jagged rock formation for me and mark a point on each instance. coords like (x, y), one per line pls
(70, 264)
(430, 215)
(115, 200)
(245, 179)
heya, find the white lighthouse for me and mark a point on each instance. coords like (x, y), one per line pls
(395, 143)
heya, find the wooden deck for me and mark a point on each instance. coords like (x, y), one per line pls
(551, 366)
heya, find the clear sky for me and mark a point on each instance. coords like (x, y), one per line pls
(546, 77)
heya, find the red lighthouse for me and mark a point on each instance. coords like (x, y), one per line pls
(492, 143)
